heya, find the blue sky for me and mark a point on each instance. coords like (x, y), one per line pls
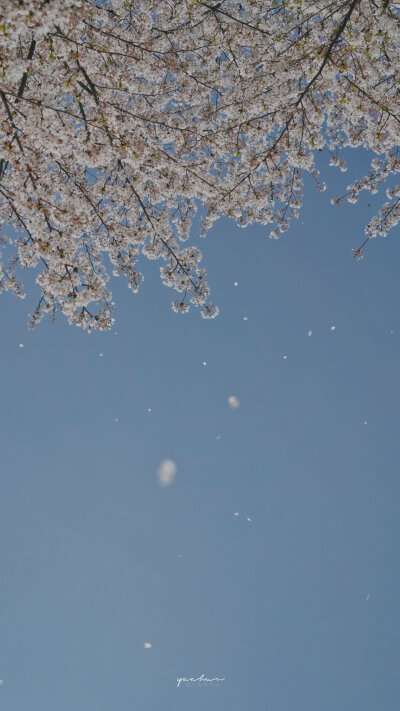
(297, 608)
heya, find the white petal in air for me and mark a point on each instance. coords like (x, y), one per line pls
(147, 645)
(166, 472)
(233, 402)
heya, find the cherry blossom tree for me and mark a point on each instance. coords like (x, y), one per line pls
(119, 119)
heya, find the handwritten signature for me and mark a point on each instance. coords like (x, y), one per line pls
(200, 679)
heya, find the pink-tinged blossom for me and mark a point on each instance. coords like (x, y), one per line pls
(357, 252)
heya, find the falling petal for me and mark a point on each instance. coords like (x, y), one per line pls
(166, 472)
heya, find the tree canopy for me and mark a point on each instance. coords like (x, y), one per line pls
(120, 119)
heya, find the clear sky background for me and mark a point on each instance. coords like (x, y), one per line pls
(299, 607)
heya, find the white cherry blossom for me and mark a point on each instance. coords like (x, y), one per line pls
(119, 119)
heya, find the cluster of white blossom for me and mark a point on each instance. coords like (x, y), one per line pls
(119, 118)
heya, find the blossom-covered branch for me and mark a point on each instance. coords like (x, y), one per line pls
(118, 119)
